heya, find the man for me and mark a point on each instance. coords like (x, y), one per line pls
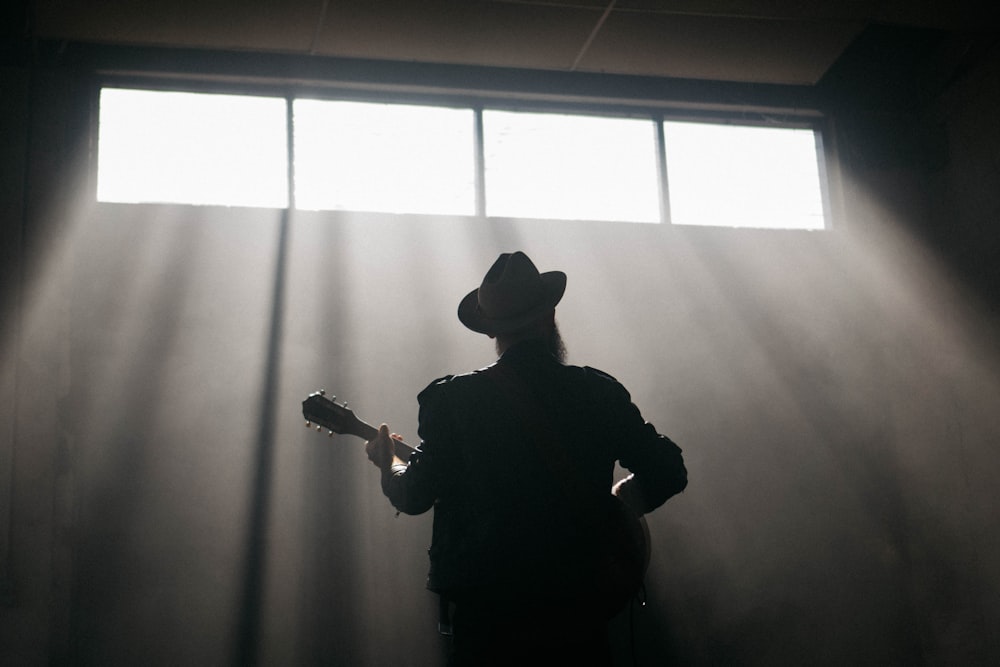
(517, 461)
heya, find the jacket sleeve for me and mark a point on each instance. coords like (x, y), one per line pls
(658, 473)
(413, 488)
(655, 462)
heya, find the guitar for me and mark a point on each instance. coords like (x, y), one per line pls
(626, 538)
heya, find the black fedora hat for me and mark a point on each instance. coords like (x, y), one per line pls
(511, 296)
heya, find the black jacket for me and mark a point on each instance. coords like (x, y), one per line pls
(514, 488)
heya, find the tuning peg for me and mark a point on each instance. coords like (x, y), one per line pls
(308, 424)
(330, 434)
(319, 428)
(322, 392)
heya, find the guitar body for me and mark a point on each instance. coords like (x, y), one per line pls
(627, 536)
(627, 556)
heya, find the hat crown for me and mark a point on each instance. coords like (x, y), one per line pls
(512, 286)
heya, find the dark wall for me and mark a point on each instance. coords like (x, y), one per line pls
(834, 393)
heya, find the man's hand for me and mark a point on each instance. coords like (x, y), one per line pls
(381, 451)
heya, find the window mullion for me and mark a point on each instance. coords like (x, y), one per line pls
(290, 148)
(661, 169)
(480, 163)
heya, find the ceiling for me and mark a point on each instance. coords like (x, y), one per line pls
(758, 41)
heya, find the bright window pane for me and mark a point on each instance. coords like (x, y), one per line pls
(570, 167)
(192, 148)
(740, 176)
(393, 158)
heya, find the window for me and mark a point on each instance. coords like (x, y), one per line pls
(394, 158)
(195, 148)
(191, 148)
(570, 167)
(740, 176)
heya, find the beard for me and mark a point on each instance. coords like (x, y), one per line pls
(553, 343)
(557, 348)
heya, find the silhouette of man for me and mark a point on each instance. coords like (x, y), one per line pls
(517, 460)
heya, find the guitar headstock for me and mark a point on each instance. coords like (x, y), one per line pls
(326, 413)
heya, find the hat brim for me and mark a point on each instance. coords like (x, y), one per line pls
(472, 317)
